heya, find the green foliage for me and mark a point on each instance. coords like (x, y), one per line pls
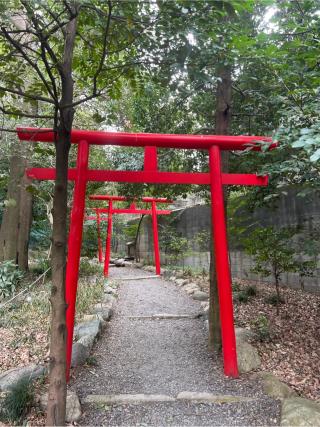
(88, 268)
(202, 239)
(42, 265)
(242, 297)
(130, 231)
(188, 272)
(236, 287)
(271, 250)
(17, 402)
(89, 293)
(261, 327)
(274, 299)
(173, 244)
(92, 361)
(10, 277)
(251, 291)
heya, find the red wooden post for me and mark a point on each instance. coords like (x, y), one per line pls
(99, 236)
(74, 244)
(219, 231)
(150, 159)
(108, 241)
(155, 237)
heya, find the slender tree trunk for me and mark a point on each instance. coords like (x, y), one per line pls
(137, 240)
(16, 222)
(25, 220)
(222, 124)
(56, 408)
(276, 278)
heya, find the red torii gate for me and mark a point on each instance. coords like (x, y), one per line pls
(133, 210)
(215, 178)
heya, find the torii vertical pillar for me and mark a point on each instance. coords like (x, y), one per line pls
(100, 254)
(74, 244)
(108, 240)
(155, 238)
(219, 234)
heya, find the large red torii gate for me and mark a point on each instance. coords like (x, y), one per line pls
(215, 178)
(133, 210)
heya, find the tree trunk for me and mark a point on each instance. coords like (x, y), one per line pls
(25, 220)
(222, 123)
(56, 408)
(17, 217)
(57, 387)
(137, 240)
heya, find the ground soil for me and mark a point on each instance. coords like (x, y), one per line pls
(292, 349)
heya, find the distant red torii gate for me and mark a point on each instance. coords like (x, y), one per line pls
(215, 178)
(133, 210)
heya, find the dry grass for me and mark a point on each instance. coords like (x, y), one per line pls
(25, 325)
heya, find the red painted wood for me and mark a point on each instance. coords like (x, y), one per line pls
(225, 142)
(216, 180)
(155, 237)
(108, 241)
(150, 159)
(152, 177)
(219, 234)
(128, 211)
(123, 198)
(98, 219)
(74, 244)
(107, 197)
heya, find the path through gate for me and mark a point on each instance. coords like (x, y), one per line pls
(214, 144)
(132, 210)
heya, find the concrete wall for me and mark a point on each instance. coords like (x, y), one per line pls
(291, 210)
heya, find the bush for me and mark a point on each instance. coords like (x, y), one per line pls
(274, 299)
(89, 293)
(245, 294)
(17, 402)
(261, 327)
(251, 291)
(242, 297)
(236, 287)
(88, 268)
(188, 272)
(10, 277)
(42, 265)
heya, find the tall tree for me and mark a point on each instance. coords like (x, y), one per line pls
(69, 53)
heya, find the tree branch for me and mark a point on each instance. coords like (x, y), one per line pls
(21, 114)
(104, 49)
(19, 48)
(26, 95)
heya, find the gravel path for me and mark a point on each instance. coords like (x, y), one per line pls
(166, 356)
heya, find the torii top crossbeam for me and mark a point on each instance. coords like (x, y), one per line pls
(198, 142)
(215, 178)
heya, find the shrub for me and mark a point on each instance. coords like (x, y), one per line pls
(42, 265)
(242, 297)
(10, 277)
(17, 402)
(88, 268)
(89, 293)
(261, 327)
(274, 299)
(236, 287)
(187, 272)
(251, 291)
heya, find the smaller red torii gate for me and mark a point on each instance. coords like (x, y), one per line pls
(133, 210)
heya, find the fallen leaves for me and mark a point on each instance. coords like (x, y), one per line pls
(293, 352)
